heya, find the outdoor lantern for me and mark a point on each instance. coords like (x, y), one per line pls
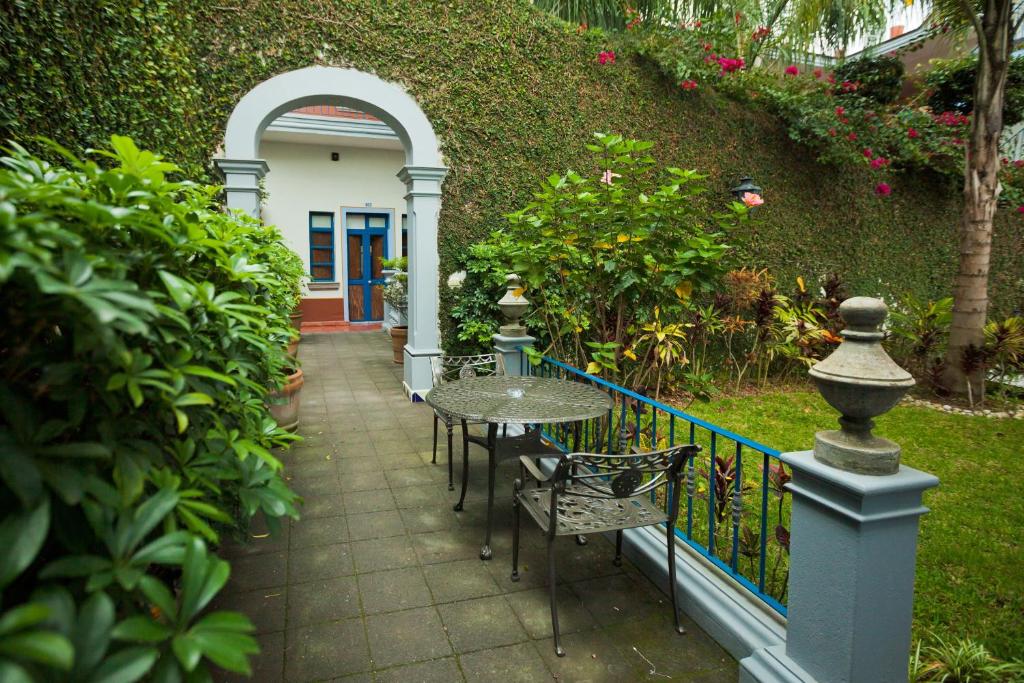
(746, 185)
(513, 306)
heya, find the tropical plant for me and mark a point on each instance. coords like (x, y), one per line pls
(960, 660)
(878, 79)
(144, 330)
(950, 87)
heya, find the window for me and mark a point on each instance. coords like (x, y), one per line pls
(405, 235)
(321, 246)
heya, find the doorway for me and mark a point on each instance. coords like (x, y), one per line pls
(366, 240)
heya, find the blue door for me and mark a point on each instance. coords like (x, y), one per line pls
(367, 243)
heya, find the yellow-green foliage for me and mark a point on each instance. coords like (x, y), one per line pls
(513, 95)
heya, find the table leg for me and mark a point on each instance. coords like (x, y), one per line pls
(465, 467)
(492, 439)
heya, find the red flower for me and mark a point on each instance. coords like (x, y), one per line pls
(911, 133)
(879, 162)
(738, 18)
(840, 111)
(868, 153)
(707, 47)
(832, 132)
(688, 85)
(729, 64)
(792, 70)
(818, 72)
(851, 136)
(832, 78)
(1019, 163)
(1020, 209)
(883, 189)
(606, 57)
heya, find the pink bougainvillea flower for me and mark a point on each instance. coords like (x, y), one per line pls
(832, 132)
(688, 85)
(1020, 209)
(832, 78)
(792, 70)
(840, 111)
(879, 162)
(606, 57)
(868, 153)
(851, 136)
(912, 133)
(883, 189)
(608, 175)
(752, 200)
(1019, 163)
(818, 72)
(729, 64)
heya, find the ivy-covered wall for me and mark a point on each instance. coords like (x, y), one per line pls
(513, 95)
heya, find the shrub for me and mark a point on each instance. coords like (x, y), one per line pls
(143, 328)
(877, 78)
(950, 83)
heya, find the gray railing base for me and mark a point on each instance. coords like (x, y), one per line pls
(772, 665)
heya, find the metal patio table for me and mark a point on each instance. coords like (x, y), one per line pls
(513, 400)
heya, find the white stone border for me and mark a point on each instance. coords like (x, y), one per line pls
(423, 174)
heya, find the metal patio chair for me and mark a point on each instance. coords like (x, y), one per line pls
(449, 368)
(591, 493)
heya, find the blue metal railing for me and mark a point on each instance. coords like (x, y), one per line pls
(724, 531)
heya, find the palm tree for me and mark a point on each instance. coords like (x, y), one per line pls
(994, 23)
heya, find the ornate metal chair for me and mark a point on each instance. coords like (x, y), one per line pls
(590, 493)
(449, 368)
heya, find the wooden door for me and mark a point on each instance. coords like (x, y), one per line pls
(366, 242)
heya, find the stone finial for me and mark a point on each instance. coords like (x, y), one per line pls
(861, 381)
(513, 306)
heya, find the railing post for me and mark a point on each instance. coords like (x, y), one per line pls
(512, 337)
(854, 527)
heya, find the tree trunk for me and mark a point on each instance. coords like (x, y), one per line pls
(981, 194)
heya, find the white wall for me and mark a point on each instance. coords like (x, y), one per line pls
(302, 178)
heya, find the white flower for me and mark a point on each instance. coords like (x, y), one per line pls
(456, 279)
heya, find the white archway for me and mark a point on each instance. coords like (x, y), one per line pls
(423, 173)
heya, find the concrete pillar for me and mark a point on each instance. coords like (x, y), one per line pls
(242, 183)
(854, 527)
(510, 350)
(423, 205)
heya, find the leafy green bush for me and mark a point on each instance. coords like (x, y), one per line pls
(878, 79)
(950, 83)
(143, 329)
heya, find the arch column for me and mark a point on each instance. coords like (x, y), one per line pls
(423, 204)
(242, 183)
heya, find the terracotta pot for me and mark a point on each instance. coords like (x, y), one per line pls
(399, 335)
(293, 346)
(296, 318)
(284, 404)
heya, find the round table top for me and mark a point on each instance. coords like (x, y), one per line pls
(510, 399)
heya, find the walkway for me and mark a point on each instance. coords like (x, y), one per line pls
(380, 580)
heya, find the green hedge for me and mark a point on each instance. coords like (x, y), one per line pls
(513, 95)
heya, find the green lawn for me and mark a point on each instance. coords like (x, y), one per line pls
(970, 573)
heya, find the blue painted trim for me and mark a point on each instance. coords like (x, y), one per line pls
(313, 263)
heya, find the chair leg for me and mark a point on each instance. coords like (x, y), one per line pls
(465, 468)
(671, 542)
(451, 485)
(554, 605)
(515, 534)
(618, 549)
(433, 460)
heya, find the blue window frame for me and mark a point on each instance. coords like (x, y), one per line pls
(321, 246)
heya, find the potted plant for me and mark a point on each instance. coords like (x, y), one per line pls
(396, 295)
(284, 402)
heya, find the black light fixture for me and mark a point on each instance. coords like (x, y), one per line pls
(334, 156)
(746, 186)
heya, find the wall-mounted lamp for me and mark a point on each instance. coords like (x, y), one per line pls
(334, 156)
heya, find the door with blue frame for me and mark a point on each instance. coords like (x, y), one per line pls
(366, 235)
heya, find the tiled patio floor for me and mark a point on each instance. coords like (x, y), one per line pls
(380, 580)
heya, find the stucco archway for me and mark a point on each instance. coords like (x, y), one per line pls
(422, 175)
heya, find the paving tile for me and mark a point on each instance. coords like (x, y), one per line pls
(265, 607)
(430, 495)
(325, 651)
(405, 637)
(481, 623)
(671, 654)
(446, 546)
(323, 600)
(590, 656)
(318, 531)
(533, 608)
(415, 476)
(393, 590)
(369, 501)
(322, 506)
(421, 520)
(378, 554)
(320, 562)
(510, 664)
(451, 581)
(351, 466)
(363, 481)
(612, 599)
(251, 572)
(437, 671)
(375, 525)
(267, 665)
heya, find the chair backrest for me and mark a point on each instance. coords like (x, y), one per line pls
(623, 476)
(449, 368)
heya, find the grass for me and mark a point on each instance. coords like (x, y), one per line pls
(970, 571)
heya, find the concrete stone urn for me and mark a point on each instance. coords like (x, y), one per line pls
(284, 404)
(399, 335)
